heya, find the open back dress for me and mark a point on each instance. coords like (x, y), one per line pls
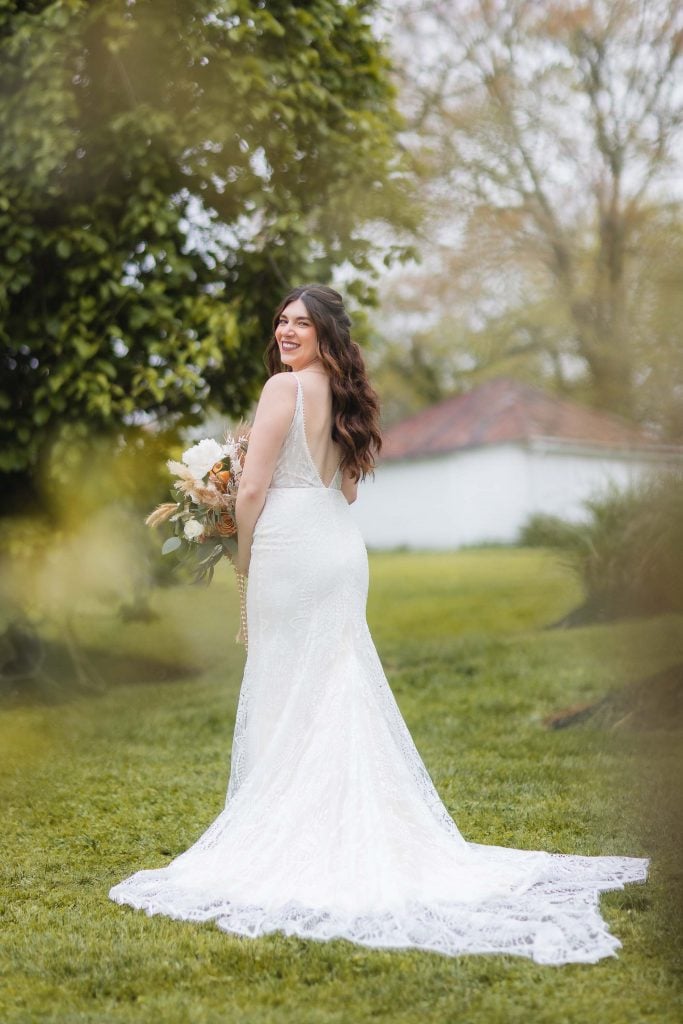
(332, 827)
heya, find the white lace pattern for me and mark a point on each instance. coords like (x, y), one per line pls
(332, 827)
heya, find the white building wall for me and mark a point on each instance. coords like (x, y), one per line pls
(486, 494)
(444, 501)
(561, 480)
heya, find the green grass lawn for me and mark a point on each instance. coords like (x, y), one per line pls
(96, 787)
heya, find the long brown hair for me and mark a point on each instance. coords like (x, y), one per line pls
(355, 406)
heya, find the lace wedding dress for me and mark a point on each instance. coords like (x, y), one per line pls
(332, 827)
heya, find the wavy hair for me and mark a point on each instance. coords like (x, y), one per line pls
(355, 405)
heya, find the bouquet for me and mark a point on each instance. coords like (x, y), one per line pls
(203, 516)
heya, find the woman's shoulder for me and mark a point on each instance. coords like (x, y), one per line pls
(277, 401)
(280, 386)
(282, 383)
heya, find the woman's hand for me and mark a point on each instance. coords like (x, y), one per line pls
(241, 565)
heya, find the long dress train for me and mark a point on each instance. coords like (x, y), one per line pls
(332, 827)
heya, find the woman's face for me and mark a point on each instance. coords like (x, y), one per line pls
(296, 337)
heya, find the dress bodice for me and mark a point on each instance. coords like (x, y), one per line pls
(295, 466)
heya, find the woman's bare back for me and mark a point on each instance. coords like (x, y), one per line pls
(317, 400)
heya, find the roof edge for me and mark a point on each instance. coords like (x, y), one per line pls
(548, 442)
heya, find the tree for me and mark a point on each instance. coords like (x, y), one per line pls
(167, 169)
(547, 136)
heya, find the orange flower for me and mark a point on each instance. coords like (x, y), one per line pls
(226, 525)
(221, 478)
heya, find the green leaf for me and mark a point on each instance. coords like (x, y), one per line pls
(170, 544)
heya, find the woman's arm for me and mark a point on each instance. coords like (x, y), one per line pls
(271, 423)
(349, 488)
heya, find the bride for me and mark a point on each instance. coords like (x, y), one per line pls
(332, 827)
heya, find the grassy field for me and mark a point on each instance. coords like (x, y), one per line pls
(97, 787)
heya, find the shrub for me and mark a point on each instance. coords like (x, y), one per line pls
(546, 531)
(629, 553)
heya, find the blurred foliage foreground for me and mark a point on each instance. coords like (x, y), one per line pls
(96, 788)
(87, 548)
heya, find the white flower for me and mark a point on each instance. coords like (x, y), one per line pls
(193, 529)
(202, 456)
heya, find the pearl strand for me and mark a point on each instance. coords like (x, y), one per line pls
(242, 634)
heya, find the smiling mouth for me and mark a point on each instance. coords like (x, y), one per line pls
(289, 346)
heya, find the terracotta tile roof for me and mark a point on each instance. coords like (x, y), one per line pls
(501, 410)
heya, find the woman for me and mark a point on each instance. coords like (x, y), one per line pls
(332, 826)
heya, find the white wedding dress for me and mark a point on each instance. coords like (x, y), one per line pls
(332, 827)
